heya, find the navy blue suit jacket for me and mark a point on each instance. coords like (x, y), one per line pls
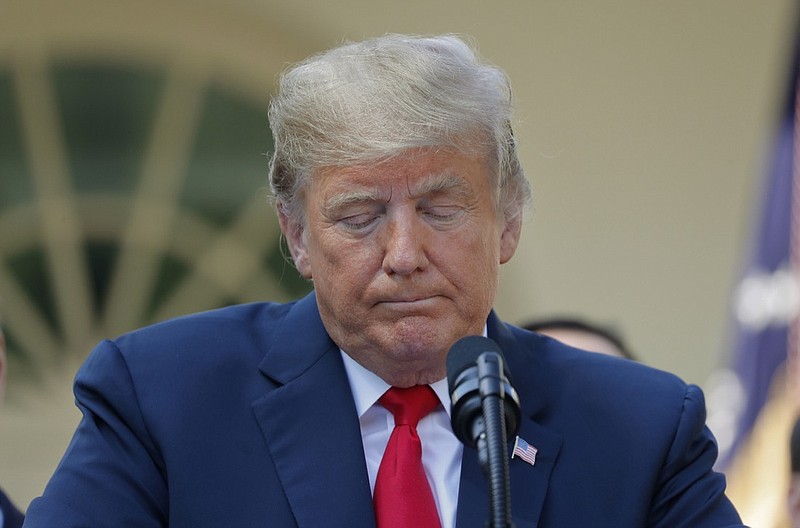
(12, 517)
(244, 417)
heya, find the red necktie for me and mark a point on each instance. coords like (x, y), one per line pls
(403, 497)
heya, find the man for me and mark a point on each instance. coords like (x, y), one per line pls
(10, 516)
(399, 192)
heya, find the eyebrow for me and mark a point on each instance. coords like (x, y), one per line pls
(437, 183)
(347, 199)
(442, 182)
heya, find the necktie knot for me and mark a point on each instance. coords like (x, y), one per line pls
(409, 405)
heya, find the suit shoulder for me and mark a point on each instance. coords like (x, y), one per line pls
(261, 316)
(574, 372)
(235, 331)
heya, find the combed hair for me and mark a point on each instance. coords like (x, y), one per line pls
(369, 101)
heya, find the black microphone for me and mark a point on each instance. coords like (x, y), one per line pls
(484, 413)
(475, 369)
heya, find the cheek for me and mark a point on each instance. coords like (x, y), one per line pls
(487, 246)
(487, 263)
(339, 264)
(470, 261)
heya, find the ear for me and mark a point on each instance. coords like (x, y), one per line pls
(294, 232)
(509, 238)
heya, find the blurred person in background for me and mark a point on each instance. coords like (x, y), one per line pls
(582, 334)
(10, 516)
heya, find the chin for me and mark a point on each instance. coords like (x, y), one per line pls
(419, 339)
(406, 349)
(423, 358)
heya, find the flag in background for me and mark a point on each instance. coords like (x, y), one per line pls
(763, 301)
(751, 405)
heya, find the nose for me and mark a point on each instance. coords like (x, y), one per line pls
(404, 247)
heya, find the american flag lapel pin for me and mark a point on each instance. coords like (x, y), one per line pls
(524, 450)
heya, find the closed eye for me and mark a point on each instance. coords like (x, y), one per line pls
(443, 214)
(358, 222)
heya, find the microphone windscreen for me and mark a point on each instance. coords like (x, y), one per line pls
(464, 354)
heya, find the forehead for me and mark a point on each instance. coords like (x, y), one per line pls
(414, 172)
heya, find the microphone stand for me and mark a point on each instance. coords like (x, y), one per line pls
(492, 441)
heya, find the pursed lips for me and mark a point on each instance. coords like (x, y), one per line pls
(416, 301)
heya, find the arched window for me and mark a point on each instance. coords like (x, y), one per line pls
(133, 163)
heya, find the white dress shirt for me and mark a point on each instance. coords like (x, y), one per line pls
(441, 450)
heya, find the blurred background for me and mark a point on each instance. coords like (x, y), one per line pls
(133, 153)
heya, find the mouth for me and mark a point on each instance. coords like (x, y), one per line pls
(409, 302)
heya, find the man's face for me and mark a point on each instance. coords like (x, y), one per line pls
(404, 256)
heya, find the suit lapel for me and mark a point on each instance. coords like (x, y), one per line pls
(310, 425)
(529, 483)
